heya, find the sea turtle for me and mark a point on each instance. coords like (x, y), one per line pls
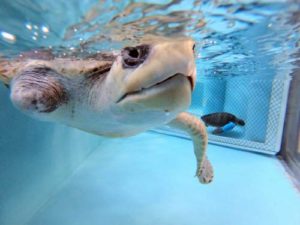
(113, 94)
(223, 121)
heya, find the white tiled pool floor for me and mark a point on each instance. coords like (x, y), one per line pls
(149, 180)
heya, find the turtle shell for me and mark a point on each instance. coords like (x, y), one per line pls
(218, 119)
(70, 66)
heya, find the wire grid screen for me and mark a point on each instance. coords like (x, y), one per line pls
(261, 103)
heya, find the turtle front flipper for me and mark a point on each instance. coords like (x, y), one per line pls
(38, 90)
(197, 130)
(227, 127)
(218, 130)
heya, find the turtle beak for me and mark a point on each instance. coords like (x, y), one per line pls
(191, 82)
(159, 62)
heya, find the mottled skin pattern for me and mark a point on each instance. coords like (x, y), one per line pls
(113, 94)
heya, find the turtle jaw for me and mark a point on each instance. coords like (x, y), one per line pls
(171, 95)
(142, 90)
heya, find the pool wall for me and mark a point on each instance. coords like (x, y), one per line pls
(35, 158)
(291, 136)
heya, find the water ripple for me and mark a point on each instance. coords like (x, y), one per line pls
(233, 37)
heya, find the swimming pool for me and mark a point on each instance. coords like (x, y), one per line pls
(247, 54)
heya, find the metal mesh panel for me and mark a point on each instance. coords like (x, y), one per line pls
(261, 103)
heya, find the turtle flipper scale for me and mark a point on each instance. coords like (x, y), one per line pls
(197, 130)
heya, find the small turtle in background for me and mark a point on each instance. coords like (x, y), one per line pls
(223, 121)
(116, 94)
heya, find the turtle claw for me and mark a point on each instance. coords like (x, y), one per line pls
(205, 173)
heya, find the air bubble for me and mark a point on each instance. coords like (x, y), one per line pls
(28, 26)
(8, 37)
(45, 29)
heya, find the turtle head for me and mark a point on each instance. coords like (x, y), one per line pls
(153, 82)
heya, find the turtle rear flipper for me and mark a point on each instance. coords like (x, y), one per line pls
(38, 90)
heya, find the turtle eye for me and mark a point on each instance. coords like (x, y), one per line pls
(194, 46)
(133, 52)
(134, 56)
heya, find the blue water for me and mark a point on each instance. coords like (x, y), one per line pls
(241, 46)
(246, 52)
